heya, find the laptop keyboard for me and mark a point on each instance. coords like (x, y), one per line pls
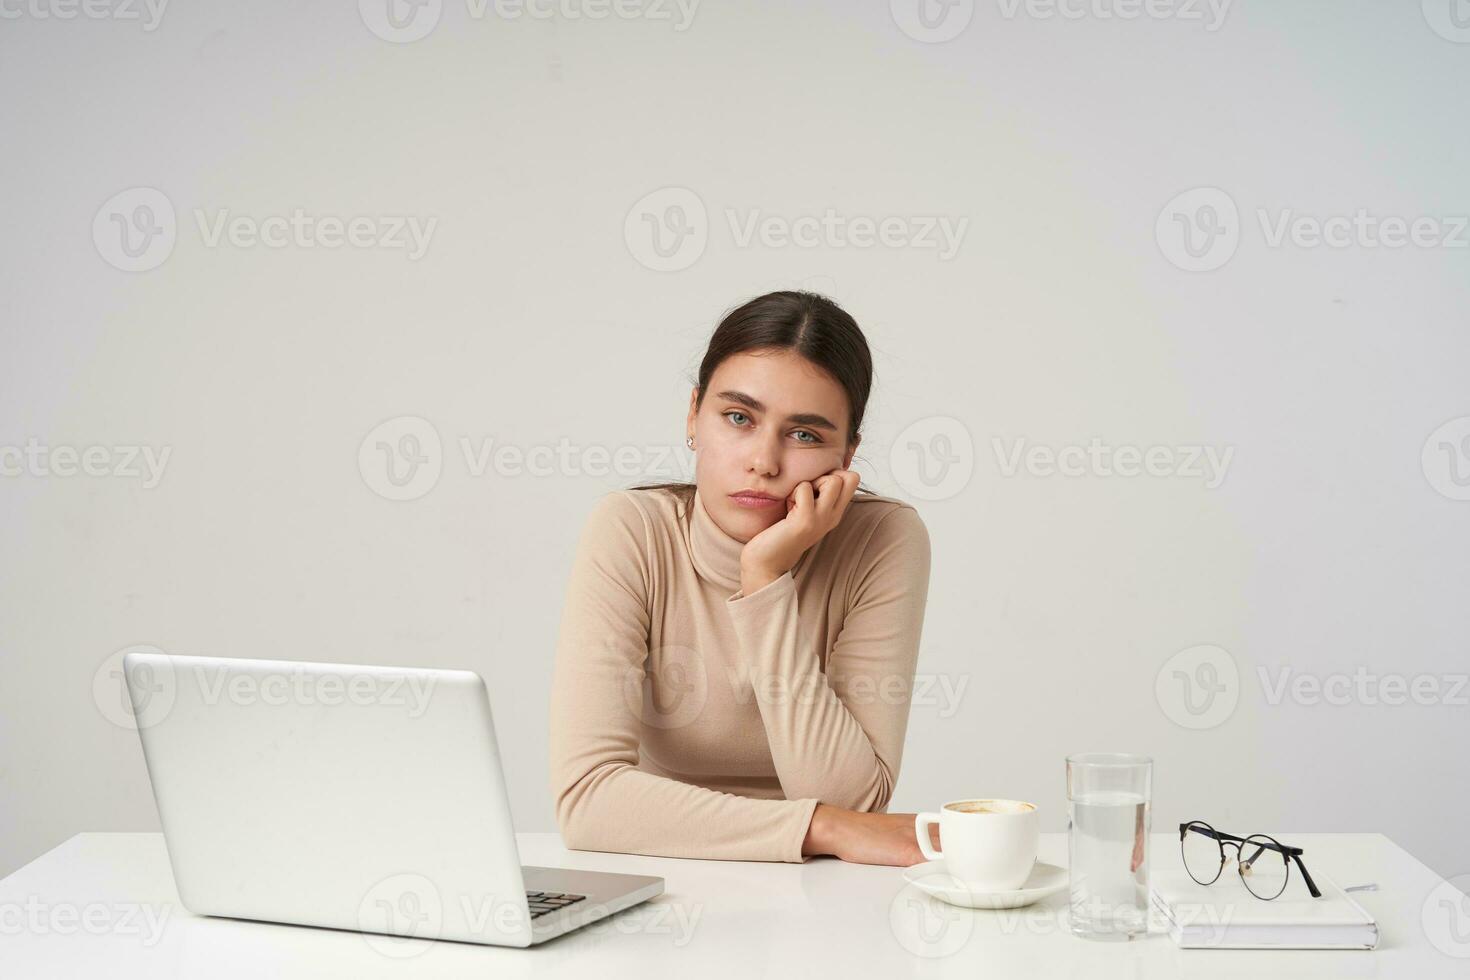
(543, 903)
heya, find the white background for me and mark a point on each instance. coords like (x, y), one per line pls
(532, 318)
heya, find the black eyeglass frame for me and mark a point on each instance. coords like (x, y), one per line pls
(1263, 841)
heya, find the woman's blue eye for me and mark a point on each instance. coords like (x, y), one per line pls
(814, 440)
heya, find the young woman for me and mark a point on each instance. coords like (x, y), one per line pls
(736, 656)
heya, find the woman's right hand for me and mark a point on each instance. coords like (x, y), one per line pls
(867, 838)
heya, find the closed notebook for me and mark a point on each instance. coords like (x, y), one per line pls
(1225, 915)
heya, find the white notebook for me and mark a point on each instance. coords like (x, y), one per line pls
(1226, 916)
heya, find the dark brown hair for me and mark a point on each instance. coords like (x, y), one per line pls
(810, 325)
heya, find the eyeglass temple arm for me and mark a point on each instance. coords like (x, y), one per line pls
(1306, 876)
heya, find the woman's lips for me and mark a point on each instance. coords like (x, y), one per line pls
(754, 503)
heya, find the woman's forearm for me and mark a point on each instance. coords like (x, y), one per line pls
(824, 831)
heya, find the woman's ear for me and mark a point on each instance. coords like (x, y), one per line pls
(693, 411)
(847, 459)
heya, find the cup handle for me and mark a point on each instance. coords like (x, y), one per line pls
(921, 828)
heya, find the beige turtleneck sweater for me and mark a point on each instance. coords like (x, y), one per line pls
(690, 720)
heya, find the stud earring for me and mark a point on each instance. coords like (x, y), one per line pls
(689, 441)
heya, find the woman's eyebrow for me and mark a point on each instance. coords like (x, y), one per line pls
(801, 418)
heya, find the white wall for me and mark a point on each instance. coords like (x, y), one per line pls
(1328, 548)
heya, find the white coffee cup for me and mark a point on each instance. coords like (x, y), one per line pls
(989, 845)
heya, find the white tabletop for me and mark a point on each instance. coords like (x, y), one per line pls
(104, 905)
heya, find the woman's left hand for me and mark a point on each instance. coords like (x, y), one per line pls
(813, 508)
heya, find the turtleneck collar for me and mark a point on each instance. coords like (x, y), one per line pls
(716, 555)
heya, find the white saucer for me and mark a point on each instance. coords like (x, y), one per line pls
(931, 878)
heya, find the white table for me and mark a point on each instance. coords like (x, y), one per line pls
(104, 905)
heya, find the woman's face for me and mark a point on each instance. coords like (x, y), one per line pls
(770, 420)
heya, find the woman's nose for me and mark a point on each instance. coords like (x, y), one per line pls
(765, 458)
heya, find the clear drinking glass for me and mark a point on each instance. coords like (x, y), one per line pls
(1107, 843)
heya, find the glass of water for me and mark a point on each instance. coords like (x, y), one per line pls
(1107, 844)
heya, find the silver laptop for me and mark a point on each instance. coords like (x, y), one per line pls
(352, 797)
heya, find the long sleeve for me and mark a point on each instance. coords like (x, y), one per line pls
(603, 802)
(842, 748)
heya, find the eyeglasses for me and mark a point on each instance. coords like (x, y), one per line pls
(1255, 858)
